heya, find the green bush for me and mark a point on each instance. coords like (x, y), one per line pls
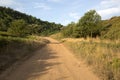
(18, 28)
(88, 25)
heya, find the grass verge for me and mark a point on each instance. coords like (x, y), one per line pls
(13, 49)
(103, 56)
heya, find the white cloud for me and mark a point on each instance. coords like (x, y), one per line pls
(54, 0)
(66, 22)
(21, 9)
(74, 15)
(109, 11)
(109, 3)
(108, 8)
(7, 2)
(13, 4)
(42, 6)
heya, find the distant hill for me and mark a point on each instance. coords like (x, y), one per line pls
(112, 28)
(8, 15)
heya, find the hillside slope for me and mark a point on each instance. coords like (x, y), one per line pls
(8, 15)
(113, 28)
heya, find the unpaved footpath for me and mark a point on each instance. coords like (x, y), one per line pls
(52, 62)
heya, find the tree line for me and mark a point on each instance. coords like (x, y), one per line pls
(21, 24)
(91, 25)
(88, 25)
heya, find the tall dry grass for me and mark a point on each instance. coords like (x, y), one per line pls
(102, 55)
(14, 49)
(57, 36)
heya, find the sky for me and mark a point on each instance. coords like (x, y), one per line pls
(64, 11)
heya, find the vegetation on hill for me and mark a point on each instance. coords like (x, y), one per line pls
(112, 30)
(91, 25)
(14, 49)
(103, 55)
(15, 30)
(10, 18)
(88, 25)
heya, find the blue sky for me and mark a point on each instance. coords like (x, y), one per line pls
(64, 11)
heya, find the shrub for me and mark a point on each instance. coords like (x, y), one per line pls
(18, 28)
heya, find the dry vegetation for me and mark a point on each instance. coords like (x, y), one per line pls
(102, 55)
(57, 36)
(14, 49)
(113, 31)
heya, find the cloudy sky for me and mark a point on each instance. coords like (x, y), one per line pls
(64, 11)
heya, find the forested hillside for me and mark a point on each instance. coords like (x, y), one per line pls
(16, 42)
(112, 28)
(21, 24)
(91, 25)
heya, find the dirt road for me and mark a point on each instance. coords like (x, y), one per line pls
(52, 62)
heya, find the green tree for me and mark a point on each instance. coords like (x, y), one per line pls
(2, 25)
(18, 28)
(89, 24)
(68, 30)
(35, 29)
(8, 15)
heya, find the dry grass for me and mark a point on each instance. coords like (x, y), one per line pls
(102, 55)
(14, 49)
(57, 36)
